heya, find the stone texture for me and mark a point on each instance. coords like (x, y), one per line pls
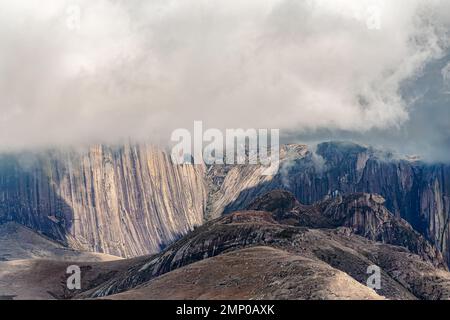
(131, 200)
(125, 201)
(404, 274)
(361, 214)
(259, 273)
(255, 255)
(413, 190)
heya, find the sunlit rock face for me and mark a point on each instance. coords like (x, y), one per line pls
(415, 191)
(125, 201)
(131, 200)
(344, 234)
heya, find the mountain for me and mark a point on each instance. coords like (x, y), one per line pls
(125, 201)
(407, 274)
(361, 214)
(283, 254)
(131, 200)
(253, 273)
(413, 190)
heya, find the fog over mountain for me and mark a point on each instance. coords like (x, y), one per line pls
(83, 72)
(426, 132)
(94, 205)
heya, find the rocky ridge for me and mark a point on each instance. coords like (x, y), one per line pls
(131, 200)
(406, 274)
(413, 190)
(276, 249)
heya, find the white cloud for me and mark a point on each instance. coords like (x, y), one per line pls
(142, 69)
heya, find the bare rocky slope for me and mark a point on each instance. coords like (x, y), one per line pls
(281, 249)
(131, 200)
(339, 253)
(413, 190)
(30, 263)
(254, 273)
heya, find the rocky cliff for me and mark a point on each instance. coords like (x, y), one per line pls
(406, 274)
(131, 200)
(292, 251)
(413, 190)
(125, 201)
(360, 214)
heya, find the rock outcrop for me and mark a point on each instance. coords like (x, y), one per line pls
(131, 200)
(415, 191)
(259, 255)
(125, 201)
(258, 273)
(361, 214)
(405, 275)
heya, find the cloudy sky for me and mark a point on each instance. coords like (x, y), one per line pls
(83, 71)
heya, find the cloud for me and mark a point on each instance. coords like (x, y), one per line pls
(83, 71)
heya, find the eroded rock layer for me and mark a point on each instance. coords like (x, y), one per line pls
(413, 190)
(131, 200)
(125, 201)
(405, 273)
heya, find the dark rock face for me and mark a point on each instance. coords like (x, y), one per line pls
(405, 275)
(415, 191)
(280, 203)
(131, 200)
(361, 214)
(262, 255)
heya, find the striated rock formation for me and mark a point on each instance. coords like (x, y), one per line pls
(259, 255)
(131, 200)
(234, 187)
(225, 241)
(360, 214)
(258, 273)
(125, 201)
(415, 191)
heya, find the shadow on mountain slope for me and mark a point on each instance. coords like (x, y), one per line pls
(277, 249)
(325, 233)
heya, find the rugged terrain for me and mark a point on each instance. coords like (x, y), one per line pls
(286, 251)
(415, 191)
(28, 262)
(406, 274)
(253, 273)
(125, 201)
(328, 214)
(131, 200)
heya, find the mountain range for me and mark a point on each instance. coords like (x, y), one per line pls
(198, 231)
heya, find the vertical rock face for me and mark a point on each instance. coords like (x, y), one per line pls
(415, 191)
(125, 201)
(232, 188)
(131, 200)
(357, 213)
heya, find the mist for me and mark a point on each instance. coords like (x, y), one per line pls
(82, 72)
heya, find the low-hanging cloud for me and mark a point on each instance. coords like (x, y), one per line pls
(84, 71)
